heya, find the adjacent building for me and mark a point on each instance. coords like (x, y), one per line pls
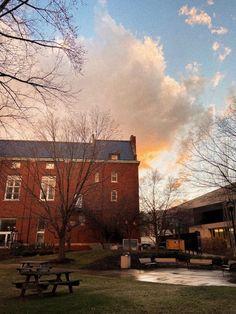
(213, 215)
(38, 177)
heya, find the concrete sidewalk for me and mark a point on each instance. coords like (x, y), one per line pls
(182, 276)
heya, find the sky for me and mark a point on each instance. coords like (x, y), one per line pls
(161, 67)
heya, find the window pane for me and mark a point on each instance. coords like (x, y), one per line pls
(79, 202)
(49, 165)
(13, 188)
(41, 224)
(96, 177)
(17, 183)
(40, 238)
(114, 196)
(114, 177)
(50, 192)
(6, 224)
(15, 195)
(48, 188)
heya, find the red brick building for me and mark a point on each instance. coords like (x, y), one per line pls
(39, 178)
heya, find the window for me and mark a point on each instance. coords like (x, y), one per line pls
(79, 202)
(7, 224)
(220, 232)
(96, 177)
(114, 177)
(114, 156)
(15, 165)
(40, 238)
(47, 191)
(82, 219)
(13, 188)
(41, 224)
(40, 231)
(49, 165)
(113, 196)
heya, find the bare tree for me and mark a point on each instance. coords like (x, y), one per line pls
(157, 196)
(35, 38)
(213, 161)
(57, 193)
(106, 228)
(114, 225)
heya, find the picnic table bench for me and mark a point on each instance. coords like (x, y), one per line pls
(195, 262)
(230, 267)
(167, 261)
(33, 279)
(146, 261)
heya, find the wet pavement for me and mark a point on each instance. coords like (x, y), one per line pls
(182, 276)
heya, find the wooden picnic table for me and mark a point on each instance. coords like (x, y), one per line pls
(40, 279)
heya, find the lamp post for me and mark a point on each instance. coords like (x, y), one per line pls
(231, 210)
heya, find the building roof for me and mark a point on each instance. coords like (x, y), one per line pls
(219, 195)
(65, 150)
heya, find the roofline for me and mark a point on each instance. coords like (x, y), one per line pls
(122, 161)
(62, 142)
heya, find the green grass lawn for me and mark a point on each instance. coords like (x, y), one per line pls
(99, 294)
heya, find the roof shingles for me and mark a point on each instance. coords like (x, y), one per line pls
(64, 150)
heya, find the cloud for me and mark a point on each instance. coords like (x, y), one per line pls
(127, 76)
(210, 2)
(195, 16)
(103, 3)
(200, 17)
(225, 53)
(219, 30)
(193, 67)
(215, 46)
(216, 79)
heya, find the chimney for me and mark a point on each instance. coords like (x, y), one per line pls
(133, 145)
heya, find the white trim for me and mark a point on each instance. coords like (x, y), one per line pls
(74, 160)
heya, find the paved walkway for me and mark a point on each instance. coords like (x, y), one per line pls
(182, 276)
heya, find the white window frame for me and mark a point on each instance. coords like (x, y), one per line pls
(96, 177)
(14, 187)
(114, 177)
(48, 186)
(114, 196)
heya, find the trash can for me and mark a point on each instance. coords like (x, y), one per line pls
(125, 261)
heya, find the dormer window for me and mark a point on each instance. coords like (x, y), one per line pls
(15, 165)
(114, 156)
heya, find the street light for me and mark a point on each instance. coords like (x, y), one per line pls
(231, 209)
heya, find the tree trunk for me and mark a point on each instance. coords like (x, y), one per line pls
(62, 246)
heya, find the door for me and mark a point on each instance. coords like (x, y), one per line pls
(4, 238)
